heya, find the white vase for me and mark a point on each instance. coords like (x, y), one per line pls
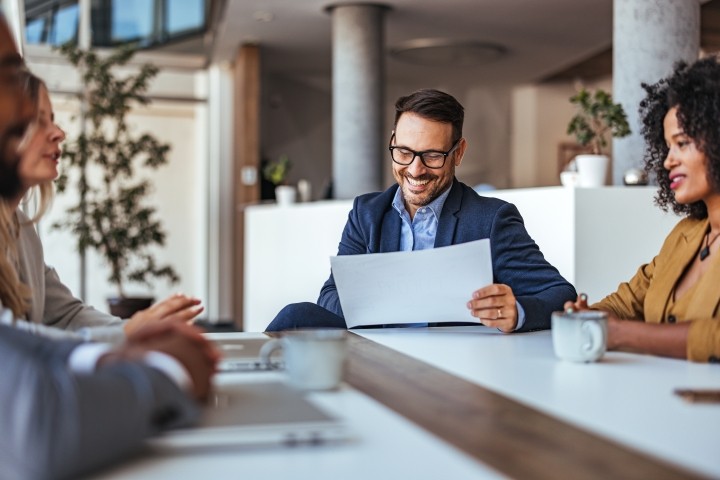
(285, 194)
(304, 190)
(592, 170)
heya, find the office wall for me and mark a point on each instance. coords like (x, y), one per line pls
(296, 118)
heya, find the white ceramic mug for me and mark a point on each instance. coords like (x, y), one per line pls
(314, 359)
(568, 178)
(579, 336)
(592, 170)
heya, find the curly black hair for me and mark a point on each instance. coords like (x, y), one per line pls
(695, 90)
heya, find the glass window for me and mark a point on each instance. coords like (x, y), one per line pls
(34, 31)
(114, 22)
(64, 25)
(132, 19)
(184, 15)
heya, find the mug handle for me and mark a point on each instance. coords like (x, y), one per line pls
(267, 350)
(596, 336)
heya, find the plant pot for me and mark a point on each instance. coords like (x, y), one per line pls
(592, 170)
(285, 194)
(126, 307)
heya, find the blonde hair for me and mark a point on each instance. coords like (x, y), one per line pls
(45, 193)
(14, 294)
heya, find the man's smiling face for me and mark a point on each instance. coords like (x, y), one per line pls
(421, 185)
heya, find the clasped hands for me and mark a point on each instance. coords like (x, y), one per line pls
(165, 328)
(185, 343)
(495, 306)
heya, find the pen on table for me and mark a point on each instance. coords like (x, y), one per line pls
(699, 395)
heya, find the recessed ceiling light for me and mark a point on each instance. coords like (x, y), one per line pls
(263, 16)
(446, 52)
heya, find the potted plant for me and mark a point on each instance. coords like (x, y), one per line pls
(596, 117)
(276, 173)
(112, 215)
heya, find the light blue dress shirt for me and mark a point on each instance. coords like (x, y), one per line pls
(419, 233)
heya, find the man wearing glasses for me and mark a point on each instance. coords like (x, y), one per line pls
(429, 208)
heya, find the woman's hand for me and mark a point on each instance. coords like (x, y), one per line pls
(616, 327)
(176, 308)
(578, 305)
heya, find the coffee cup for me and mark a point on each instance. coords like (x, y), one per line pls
(579, 336)
(314, 359)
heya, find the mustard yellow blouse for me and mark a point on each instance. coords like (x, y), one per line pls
(648, 296)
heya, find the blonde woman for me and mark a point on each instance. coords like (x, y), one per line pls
(42, 299)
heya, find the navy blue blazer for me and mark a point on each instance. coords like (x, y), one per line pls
(373, 226)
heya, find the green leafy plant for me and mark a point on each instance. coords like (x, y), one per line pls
(276, 171)
(596, 117)
(112, 215)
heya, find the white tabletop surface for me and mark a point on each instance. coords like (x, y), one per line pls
(625, 397)
(385, 445)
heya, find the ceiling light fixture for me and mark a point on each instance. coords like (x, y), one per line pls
(446, 52)
(262, 16)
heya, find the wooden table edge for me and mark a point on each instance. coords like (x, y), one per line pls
(502, 433)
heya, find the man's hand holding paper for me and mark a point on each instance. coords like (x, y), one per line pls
(495, 306)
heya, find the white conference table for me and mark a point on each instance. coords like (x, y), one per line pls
(383, 445)
(625, 397)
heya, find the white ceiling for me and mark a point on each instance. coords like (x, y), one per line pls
(541, 36)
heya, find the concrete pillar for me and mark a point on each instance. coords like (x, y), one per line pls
(358, 81)
(648, 38)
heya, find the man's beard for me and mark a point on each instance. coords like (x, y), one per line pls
(435, 191)
(9, 161)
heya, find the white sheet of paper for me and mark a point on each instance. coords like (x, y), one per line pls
(431, 285)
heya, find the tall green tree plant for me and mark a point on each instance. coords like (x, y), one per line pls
(112, 215)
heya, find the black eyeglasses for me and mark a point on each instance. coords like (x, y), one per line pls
(430, 158)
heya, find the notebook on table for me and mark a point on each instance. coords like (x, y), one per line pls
(258, 414)
(242, 354)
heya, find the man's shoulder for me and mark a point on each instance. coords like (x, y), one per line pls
(471, 200)
(375, 201)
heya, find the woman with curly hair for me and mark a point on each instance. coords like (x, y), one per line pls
(671, 306)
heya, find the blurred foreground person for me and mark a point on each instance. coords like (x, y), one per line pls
(66, 407)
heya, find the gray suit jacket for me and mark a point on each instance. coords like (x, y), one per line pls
(56, 424)
(53, 305)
